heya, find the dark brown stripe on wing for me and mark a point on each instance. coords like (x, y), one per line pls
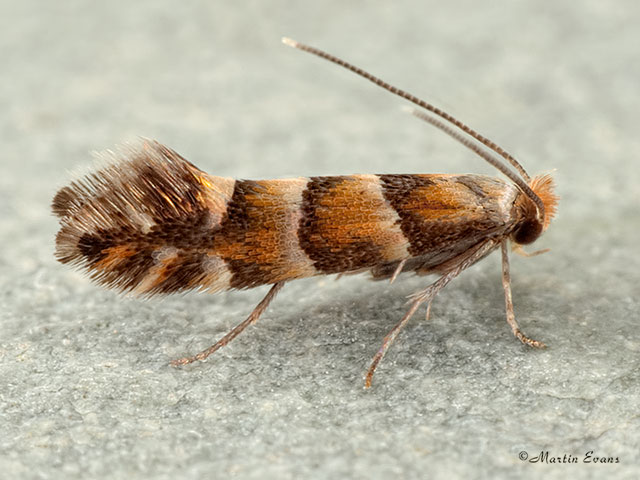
(230, 241)
(258, 236)
(472, 184)
(330, 226)
(122, 257)
(442, 215)
(184, 272)
(116, 265)
(401, 191)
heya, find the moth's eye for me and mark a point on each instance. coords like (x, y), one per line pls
(527, 232)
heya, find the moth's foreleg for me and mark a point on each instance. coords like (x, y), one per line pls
(511, 318)
(237, 330)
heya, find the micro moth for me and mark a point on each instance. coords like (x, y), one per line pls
(152, 223)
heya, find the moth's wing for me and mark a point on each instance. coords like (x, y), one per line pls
(349, 224)
(142, 222)
(443, 216)
(151, 222)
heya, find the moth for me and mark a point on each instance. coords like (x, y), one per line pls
(152, 223)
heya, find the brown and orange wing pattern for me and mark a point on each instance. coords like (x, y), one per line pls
(153, 223)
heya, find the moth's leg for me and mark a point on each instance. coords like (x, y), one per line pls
(427, 295)
(388, 340)
(426, 317)
(391, 336)
(237, 330)
(511, 318)
(520, 251)
(397, 271)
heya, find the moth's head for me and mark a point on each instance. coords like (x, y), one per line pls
(532, 224)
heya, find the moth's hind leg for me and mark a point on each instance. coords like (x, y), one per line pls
(237, 330)
(418, 298)
(511, 318)
(427, 295)
(391, 336)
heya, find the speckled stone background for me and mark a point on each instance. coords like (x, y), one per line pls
(85, 386)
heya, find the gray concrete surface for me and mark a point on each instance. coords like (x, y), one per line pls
(86, 390)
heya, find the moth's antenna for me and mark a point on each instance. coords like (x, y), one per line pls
(482, 153)
(412, 98)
